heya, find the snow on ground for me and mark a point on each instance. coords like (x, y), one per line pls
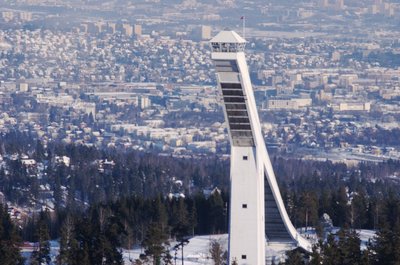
(197, 251)
(28, 248)
(194, 253)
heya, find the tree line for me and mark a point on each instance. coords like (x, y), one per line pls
(123, 204)
(345, 246)
(97, 235)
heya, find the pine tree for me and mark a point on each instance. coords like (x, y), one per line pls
(386, 245)
(155, 243)
(216, 217)
(294, 257)
(180, 226)
(9, 240)
(193, 217)
(167, 258)
(66, 241)
(340, 249)
(160, 213)
(42, 254)
(316, 258)
(330, 251)
(359, 206)
(349, 246)
(367, 255)
(112, 232)
(340, 207)
(396, 243)
(308, 209)
(80, 247)
(39, 151)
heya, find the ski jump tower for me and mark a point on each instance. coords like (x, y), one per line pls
(257, 213)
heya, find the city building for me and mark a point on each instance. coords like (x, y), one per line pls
(127, 29)
(205, 32)
(288, 103)
(137, 30)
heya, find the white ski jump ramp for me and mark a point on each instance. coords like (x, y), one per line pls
(257, 213)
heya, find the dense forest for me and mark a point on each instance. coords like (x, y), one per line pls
(96, 236)
(105, 200)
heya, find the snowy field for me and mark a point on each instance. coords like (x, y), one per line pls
(198, 249)
(194, 253)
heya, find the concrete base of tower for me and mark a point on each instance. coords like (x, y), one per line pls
(246, 227)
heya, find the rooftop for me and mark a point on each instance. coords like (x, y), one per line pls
(228, 37)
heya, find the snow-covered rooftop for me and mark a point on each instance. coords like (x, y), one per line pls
(228, 37)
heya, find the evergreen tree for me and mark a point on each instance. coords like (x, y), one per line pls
(66, 241)
(167, 258)
(349, 246)
(330, 251)
(367, 255)
(308, 209)
(9, 240)
(341, 208)
(42, 254)
(160, 213)
(39, 151)
(113, 230)
(155, 243)
(340, 249)
(216, 216)
(359, 210)
(386, 246)
(294, 257)
(180, 225)
(80, 251)
(193, 217)
(316, 258)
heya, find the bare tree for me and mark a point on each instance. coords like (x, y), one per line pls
(218, 255)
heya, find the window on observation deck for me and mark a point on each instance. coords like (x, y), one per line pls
(227, 47)
(215, 46)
